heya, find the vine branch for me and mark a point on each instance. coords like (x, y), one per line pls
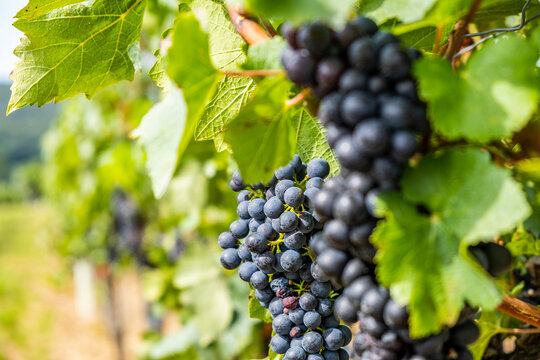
(248, 29)
(456, 39)
(520, 310)
(298, 98)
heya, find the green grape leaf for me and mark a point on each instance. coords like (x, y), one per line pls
(489, 327)
(226, 46)
(36, 8)
(299, 11)
(424, 259)
(265, 55)
(256, 311)
(231, 95)
(58, 63)
(204, 292)
(157, 72)
(311, 139)
(424, 38)
(494, 95)
(182, 343)
(524, 243)
(261, 136)
(406, 11)
(160, 132)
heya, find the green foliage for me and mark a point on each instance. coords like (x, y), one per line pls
(261, 137)
(493, 96)
(424, 258)
(265, 55)
(524, 243)
(58, 63)
(256, 311)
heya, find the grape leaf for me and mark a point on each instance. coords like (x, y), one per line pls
(311, 139)
(489, 327)
(226, 46)
(160, 132)
(524, 243)
(58, 63)
(261, 137)
(424, 258)
(36, 8)
(494, 95)
(256, 311)
(406, 11)
(231, 95)
(157, 72)
(179, 344)
(265, 55)
(299, 11)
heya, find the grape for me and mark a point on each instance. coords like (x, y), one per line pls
(307, 301)
(328, 72)
(394, 62)
(395, 315)
(276, 307)
(499, 258)
(229, 259)
(315, 357)
(353, 269)
(324, 203)
(398, 113)
(332, 262)
(372, 326)
(377, 84)
(325, 307)
(318, 168)
(347, 334)
(288, 221)
(294, 240)
(282, 325)
(373, 302)
(333, 339)
(309, 197)
(256, 208)
(226, 240)
(243, 195)
(362, 55)
(297, 316)
(314, 37)
(288, 31)
(305, 273)
(244, 253)
(352, 80)
(242, 210)
(318, 274)
(312, 319)
(235, 187)
(276, 225)
(385, 170)
(305, 222)
(465, 334)
(343, 354)
(293, 196)
(264, 295)
(265, 262)
(321, 289)
(295, 353)
(256, 243)
(350, 154)
(357, 289)
(239, 229)
(357, 106)
(291, 260)
(349, 208)
(336, 233)
(246, 270)
(314, 182)
(279, 344)
(299, 66)
(266, 231)
(431, 345)
(254, 224)
(329, 110)
(285, 172)
(297, 341)
(404, 145)
(273, 208)
(259, 280)
(312, 342)
(297, 331)
(330, 355)
(373, 136)
(344, 310)
(281, 187)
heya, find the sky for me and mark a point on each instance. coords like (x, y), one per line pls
(9, 36)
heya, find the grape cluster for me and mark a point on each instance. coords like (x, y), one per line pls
(373, 116)
(269, 246)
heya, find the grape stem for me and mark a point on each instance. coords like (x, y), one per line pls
(520, 331)
(457, 37)
(520, 310)
(248, 29)
(301, 96)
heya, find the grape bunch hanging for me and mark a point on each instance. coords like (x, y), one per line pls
(374, 119)
(269, 244)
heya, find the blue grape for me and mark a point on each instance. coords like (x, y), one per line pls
(297, 316)
(229, 259)
(264, 296)
(243, 195)
(312, 319)
(254, 224)
(282, 325)
(242, 210)
(273, 208)
(239, 229)
(279, 344)
(305, 273)
(330, 322)
(255, 242)
(295, 353)
(297, 341)
(321, 289)
(276, 307)
(285, 172)
(265, 262)
(281, 187)
(244, 253)
(293, 196)
(288, 221)
(256, 208)
(312, 342)
(296, 163)
(291, 260)
(309, 197)
(307, 301)
(333, 339)
(259, 280)
(246, 270)
(226, 240)
(294, 240)
(330, 355)
(343, 354)
(347, 334)
(318, 168)
(314, 182)
(305, 222)
(315, 357)
(325, 307)
(279, 282)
